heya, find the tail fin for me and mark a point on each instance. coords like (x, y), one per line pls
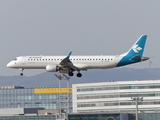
(138, 48)
(135, 53)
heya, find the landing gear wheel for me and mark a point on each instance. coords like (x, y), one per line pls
(79, 75)
(21, 74)
(70, 73)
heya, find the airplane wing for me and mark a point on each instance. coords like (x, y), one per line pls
(66, 63)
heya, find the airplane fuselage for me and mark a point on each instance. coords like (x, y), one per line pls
(86, 62)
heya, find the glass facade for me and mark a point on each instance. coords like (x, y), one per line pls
(119, 87)
(94, 117)
(27, 98)
(144, 116)
(116, 116)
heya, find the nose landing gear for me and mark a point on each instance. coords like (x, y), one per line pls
(21, 74)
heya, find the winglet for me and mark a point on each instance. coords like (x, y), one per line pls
(69, 55)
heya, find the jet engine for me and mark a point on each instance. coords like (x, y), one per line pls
(52, 68)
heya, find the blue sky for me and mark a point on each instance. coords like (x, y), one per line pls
(85, 27)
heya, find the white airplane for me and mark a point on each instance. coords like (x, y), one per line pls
(70, 63)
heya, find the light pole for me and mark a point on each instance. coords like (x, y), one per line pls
(63, 77)
(61, 115)
(136, 99)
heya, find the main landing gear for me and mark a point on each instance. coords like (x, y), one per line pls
(78, 74)
(70, 73)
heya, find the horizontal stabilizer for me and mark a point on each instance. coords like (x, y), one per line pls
(144, 58)
(137, 57)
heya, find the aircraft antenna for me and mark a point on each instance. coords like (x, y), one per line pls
(150, 62)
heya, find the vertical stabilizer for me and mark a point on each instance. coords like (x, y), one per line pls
(138, 48)
(134, 54)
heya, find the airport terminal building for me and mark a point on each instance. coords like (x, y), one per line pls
(115, 96)
(88, 101)
(20, 97)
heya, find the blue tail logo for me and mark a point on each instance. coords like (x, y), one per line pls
(138, 47)
(135, 53)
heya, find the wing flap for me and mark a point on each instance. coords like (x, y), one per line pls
(66, 63)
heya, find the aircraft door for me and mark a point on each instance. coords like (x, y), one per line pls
(23, 60)
(116, 59)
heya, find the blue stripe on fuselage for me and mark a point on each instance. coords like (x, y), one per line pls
(126, 60)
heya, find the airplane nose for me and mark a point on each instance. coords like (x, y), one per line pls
(10, 64)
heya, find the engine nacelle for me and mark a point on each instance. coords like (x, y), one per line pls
(52, 68)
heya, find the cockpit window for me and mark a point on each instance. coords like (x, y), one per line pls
(15, 59)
